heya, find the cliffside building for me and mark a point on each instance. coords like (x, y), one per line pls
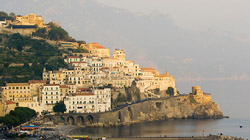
(31, 19)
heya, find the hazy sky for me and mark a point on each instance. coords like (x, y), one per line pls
(200, 42)
(227, 15)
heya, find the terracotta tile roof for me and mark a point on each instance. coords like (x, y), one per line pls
(83, 88)
(63, 86)
(104, 68)
(97, 46)
(150, 69)
(58, 72)
(17, 84)
(36, 81)
(51, 85)
(138, 77)
(10, 102)
(84, 94)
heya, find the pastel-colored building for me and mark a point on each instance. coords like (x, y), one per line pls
(51, 94)
(119, 54)
(103, 99)
(31, 19)
(96, 49)
(200, 96)
(17, 92)
(86, 100)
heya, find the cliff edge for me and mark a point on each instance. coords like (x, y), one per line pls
(180, 107)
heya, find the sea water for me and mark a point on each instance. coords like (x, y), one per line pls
(189, 127)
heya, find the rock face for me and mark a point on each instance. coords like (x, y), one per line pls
(181, 107)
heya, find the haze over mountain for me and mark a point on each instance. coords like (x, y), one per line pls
(216, 60)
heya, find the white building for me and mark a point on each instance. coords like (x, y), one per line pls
(103, 97)
(82, 101)
(89, 101)
(50, 96)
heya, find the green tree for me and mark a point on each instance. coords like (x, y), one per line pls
(3, 14)
(57, 33)
(170, 91)
(81, 42)
(41, 32)
(17, 116)
(121, 98)
(59, 107)
(13, 15)
(16, 41)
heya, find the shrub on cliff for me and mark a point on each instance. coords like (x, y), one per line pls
(170, 91)
(41, 32)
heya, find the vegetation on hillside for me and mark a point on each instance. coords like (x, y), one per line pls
(33, 54)
(18, 116)
(23, 58)
(53, 32)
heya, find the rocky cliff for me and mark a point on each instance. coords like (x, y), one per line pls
(181, 107)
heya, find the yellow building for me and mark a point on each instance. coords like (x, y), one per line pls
(17, 92)
(36, 88)
(152, 70)
(31, 19)
(200, 96)
(96, 49)
(54, 77)
(119, 54)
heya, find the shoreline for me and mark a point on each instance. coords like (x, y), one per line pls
(210, 137)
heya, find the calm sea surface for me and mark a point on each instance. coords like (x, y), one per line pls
(174, 128)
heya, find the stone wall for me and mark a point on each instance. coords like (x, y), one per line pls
(182, 107)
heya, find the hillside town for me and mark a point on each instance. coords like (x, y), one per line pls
(86, 86)
(89, 82)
